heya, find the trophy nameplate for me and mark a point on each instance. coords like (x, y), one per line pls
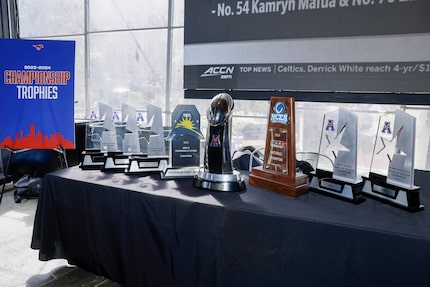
(336, 172)
(391, 176)
(217, 173)
(278, 172)
(183, 172)
(184, 139)
(131, 143)
(156, 146)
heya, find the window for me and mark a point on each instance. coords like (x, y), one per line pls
(132, 51)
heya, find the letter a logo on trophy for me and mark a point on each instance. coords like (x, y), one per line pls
(336, 172)
(278, 172)
(391, 177)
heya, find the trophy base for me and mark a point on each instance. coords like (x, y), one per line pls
(183, 172)
(142, 165)
(376, 187)
(115, 162)
(278, 182)
(323, 182)
(92, 160)
(219, 182)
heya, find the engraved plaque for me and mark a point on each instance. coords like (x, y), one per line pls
(277, 157)
(278, 172)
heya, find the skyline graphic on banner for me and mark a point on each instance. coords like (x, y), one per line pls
(33, 138)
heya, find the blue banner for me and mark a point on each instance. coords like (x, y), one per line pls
(37, 94)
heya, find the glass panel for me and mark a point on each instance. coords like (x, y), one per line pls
(79, 74)
(249, 124)
(124, 15)
(422, 141)
(178, 13)
(177, 75)
(49, 18)
(177, 80)
(128, 67)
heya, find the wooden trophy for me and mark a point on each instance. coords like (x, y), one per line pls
(278, 172)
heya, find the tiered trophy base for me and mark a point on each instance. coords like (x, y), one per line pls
(115, 162)
(219, 182)
(143, 165)
(376, 187)
(278, 182)
(323, 182)
(92, 160)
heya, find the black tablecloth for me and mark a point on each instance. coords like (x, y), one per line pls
(143, 231)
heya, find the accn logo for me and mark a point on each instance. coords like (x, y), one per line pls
(224, 72)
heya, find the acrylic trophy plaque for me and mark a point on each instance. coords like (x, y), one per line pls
(278, 172)
(125, 141)
(98, 138)
(131, 143)
(336, 172)
(391, 176)
(217, 173)
(156, 159)
(184, 137)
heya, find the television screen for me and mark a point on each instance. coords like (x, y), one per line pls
(319, 48)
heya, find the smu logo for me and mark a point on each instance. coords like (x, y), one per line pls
(38, 47)
(224, 72)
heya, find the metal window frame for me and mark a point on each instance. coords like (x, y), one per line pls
(9, 24)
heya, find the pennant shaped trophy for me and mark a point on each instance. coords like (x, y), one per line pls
(391, 177)
(336, 172)
(156, 158)
(127, 140)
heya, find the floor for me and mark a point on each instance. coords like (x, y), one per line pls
(19, 264)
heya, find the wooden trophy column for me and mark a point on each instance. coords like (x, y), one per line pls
(278, 172)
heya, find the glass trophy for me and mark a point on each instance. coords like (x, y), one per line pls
(97, 138)
(184, 138)
(154, 157)
(217, 173)
(278, 172)
(391, 176)
(336, 169)
(122, 143)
